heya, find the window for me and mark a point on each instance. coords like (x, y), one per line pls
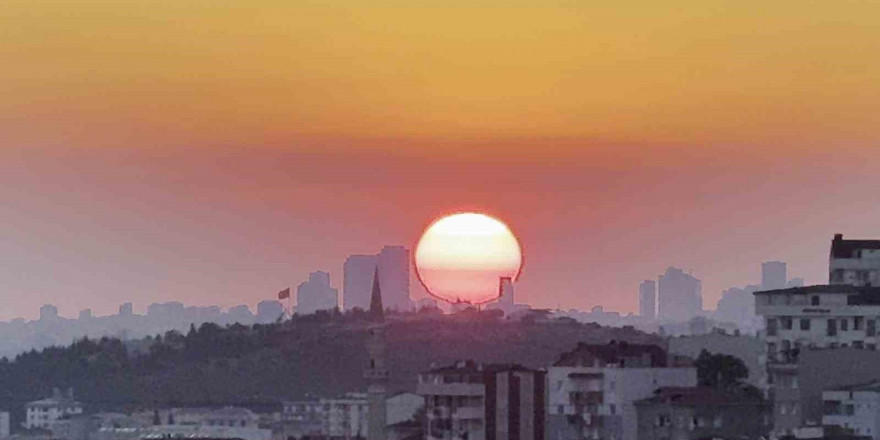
(786, 322)
(560, 409)
(844, 325)
(850, 410)
(805, 323)
(872, 328)
(612, 409)
(771, 351)
(814, 300)
(858, 322)
(771, 327)
(831, 328)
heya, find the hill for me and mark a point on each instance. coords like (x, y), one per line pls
(259, 366)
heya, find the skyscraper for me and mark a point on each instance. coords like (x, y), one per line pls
(316, 294)
(680, 295)
(357, 280)
(648, 299)
(773, 275)
(393, 262)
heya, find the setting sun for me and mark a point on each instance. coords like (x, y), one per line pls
(461, 257)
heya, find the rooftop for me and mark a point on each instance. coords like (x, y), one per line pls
(841, 248)
(873, 385)
(614, 353)
(54, 401)
(699, 396)
(858, 295)
(470, 366)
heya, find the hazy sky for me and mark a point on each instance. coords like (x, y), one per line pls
(217, 151)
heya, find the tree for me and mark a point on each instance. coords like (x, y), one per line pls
(721, 371)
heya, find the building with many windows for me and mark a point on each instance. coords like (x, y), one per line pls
(695, 413)
(483, 402)
(811, 317)
(593, 388)
(855, 408)
(42, 413)
(854, 262)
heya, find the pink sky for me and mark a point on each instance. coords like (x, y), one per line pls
(98, 227)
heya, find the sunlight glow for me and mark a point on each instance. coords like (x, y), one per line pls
(461, 257)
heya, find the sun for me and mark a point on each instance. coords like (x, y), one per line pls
(461, 257)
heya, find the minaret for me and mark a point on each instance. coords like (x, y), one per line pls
(376, 372)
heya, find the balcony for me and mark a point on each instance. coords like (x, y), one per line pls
(451, 389)
(587, 398)
(469, 412)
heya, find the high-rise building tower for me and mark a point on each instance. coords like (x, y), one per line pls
(680, 295)
(393, 262)
(773, 275)
(357, 279)
(648, 299)
(376, 372)
(315, 294)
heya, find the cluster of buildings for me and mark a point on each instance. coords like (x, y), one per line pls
(821, 345)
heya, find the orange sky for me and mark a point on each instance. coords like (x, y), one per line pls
(140, 139)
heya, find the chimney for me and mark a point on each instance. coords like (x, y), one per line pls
(838, 237)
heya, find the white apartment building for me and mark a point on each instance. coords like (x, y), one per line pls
(843, 313)
(42, 413)
(345, 417)
(856, 408)
(800, 318)
(593, 388)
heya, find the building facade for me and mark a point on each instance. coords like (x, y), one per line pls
(303, 418)
(679, 295)
(811, 317)
(593, 388)
(316, 294)
(345, 417)
(43, 413)
(470, 401)
(394, 262)
(702, 413)
(648, 299)
(773, 275)
(357, 281)
(855, 408)
(854, 262)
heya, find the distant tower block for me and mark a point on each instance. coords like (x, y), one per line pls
(648, 299)
(773, 275)
(507, 300)
(376, 372)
